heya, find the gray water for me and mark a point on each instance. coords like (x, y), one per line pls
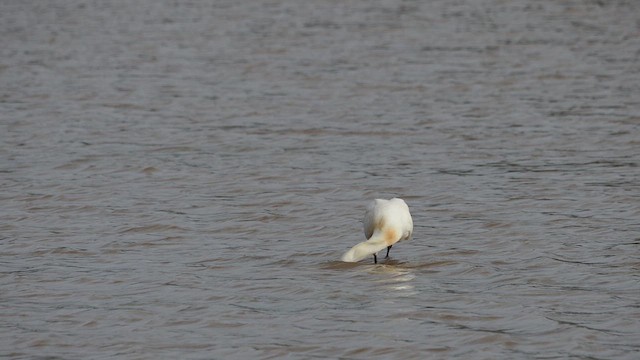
(178, 179)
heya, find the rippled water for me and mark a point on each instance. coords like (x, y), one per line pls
(179, 179)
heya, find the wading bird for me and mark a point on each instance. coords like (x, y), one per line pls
(385, 223)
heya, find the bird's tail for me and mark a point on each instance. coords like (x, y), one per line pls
(364, 249)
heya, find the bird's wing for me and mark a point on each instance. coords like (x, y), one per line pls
(404, 216)
(408, 223)
(369, 219)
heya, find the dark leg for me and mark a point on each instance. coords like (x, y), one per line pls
(375, 259)
(388, 248)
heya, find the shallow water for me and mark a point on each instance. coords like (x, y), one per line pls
(179, 179)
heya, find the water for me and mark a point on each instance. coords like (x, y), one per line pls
(179, 179)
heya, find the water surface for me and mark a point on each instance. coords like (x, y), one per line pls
(179, 179)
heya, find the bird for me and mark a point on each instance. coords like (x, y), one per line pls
(385, 223)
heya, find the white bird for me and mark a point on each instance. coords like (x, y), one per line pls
(385, 223)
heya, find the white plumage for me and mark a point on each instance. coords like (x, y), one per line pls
(385, 223)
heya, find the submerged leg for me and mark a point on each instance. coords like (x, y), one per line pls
(375, 259)
(388, 248)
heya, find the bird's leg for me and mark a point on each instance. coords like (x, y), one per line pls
(388, 248)
(375, 259)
